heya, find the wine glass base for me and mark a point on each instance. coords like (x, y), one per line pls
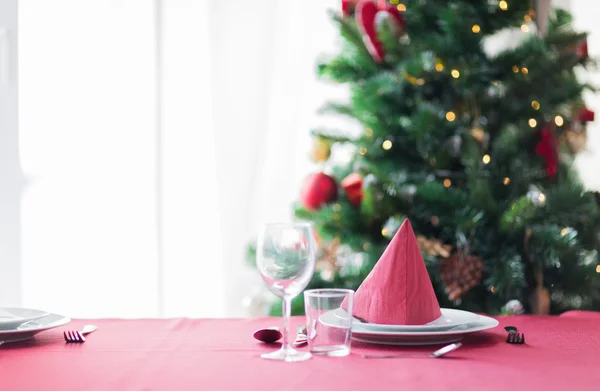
(288, 355)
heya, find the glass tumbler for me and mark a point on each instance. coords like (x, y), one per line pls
(329, 321)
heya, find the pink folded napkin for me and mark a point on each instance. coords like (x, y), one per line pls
(398, 290)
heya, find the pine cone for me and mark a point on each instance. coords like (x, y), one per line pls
(459, 274)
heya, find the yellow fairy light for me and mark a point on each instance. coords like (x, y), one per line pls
(515, 69)
(493, 289)
(475, 29)
(420, 81)
(559, 121)
(506, 180)
(542, 197)
(527, 18)
(439, 67)
(503, 5)
(532, 122)
(401, 7)
(362, 151)
(368, 132)
(447, 182)
(450, 116)
(486, 159)
(563, 232)
(525, 70)
(524, 28)
(455, 74)
(598, 269)
(387, 145)
(535, 104)
(384, 232)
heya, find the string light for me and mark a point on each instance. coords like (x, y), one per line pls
(366, 246)
(493, 289)
(503, 5)
(527, 18)
(524, 28)
(387, 145)
(542, 197)
(535, 104)
(401, 7)
(598, 269)
(515, 69)
(384, 232)
(337, 207)
(563, 232)
(439, 67)
(506, 180)
(436, 220)
(486, 159)
(455, 74)
(525, 70)
(362, 151)
(450, 116)
(368, 132)
(420, 81)
(336, 217)
(447, 182)
(559, 121)
(532, 122)
(475, 29)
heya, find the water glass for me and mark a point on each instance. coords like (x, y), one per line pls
(329, 321)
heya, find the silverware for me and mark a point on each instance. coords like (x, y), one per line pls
(301, 338)
(79, 336)
(513, 337)
(438, 353)
(268, 335)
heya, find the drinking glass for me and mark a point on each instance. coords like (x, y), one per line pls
(329, 321)
(285, 257)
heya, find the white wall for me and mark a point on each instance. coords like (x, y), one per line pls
(585, 14)
(10, 187)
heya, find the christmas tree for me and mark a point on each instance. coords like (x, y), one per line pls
(475, 147)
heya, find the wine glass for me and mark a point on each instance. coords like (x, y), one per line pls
(285, 257)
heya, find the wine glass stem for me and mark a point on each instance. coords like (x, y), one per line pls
(287, 313)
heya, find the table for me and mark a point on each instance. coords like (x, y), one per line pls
(562, 353)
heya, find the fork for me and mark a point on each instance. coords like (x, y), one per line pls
(515, 338)
(79, 336)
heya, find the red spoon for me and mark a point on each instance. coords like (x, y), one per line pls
(268, 335)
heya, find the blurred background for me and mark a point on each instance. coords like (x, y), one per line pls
(142, 143)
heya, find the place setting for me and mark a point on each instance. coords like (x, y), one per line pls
(394, 306)
(21, 324)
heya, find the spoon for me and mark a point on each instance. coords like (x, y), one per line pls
(268, 335)
(438, 353)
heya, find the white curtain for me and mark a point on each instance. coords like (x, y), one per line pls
(155, 136)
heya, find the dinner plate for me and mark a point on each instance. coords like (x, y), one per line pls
(31, 328)
(425, 337)
(11, 318)
(450, 318)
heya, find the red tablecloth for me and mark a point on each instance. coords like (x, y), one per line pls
(562, 353)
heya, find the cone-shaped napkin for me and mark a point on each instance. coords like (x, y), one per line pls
(398, 290)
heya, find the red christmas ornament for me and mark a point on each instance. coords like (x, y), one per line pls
(318, 189)
(352, 184)
(586, 115)
(547, 148)
(582, 50)
(366, 17)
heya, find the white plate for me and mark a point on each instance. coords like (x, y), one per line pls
(11, 318)
(425, 337)
(450, 318)
(29, 329)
